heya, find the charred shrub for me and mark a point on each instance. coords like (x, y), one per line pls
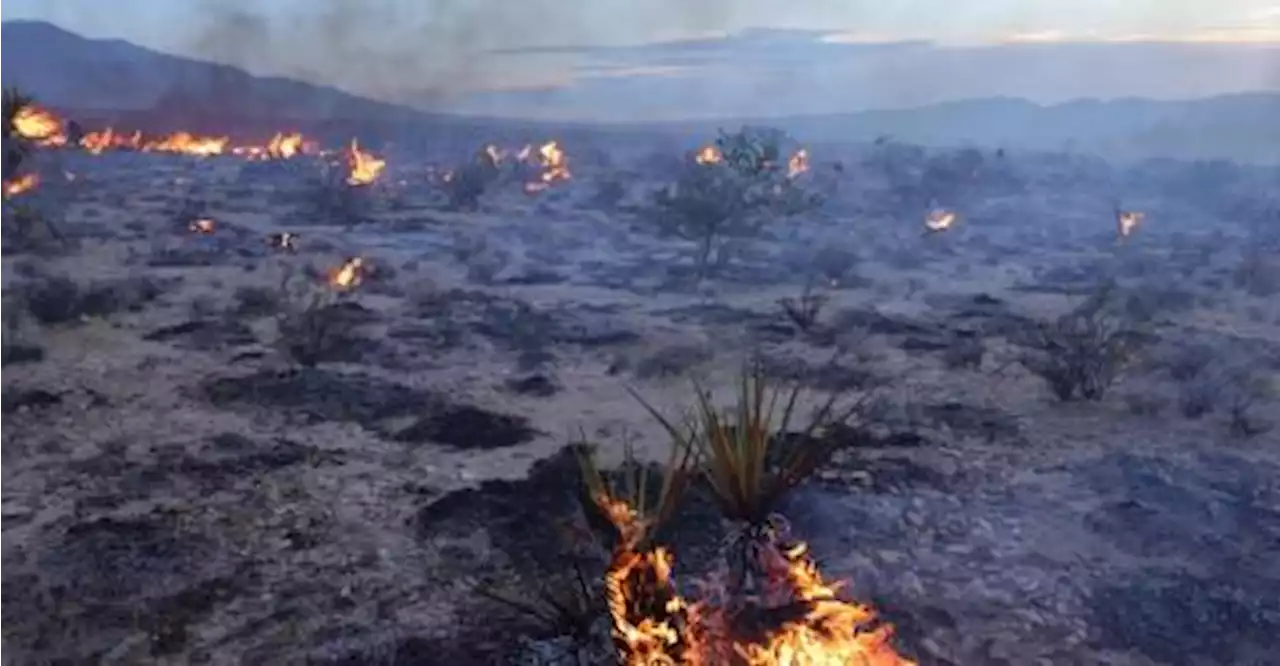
(59, 300)
(316, 325)
(803, 310)
(13, 345)
(464, 186)
(732, 194)
(1080, 354)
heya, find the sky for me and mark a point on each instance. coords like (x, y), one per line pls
(653, 58)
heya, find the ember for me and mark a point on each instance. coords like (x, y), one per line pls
(1128, 221)
(203, 225)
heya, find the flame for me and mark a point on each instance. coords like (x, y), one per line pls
(348, 275)
(652, 624)
(709, 155)
(494, 153)
(939, 220)
(38, 125)
(798, 163)
(365, 168)
(1128, 221)
(20, 184)
(554, 163)
(203, 225)
(188, 144)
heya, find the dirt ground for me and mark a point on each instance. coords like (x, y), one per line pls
(177, 490)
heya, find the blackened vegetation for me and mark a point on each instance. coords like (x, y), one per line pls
(317, 395)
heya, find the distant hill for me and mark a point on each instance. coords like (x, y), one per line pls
(110, 81)
(114, 78)
(1243, 127)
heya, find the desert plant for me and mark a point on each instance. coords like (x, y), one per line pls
(312, 325)
(733, 197)
(1245, 390)
(1082, 353)
(16, 148)
(464, 186)
(16, 343)
(804, 309)
(749, 460)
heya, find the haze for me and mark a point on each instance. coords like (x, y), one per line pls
(627, 60)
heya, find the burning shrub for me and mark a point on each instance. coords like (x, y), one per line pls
(16, 147)
(1081, 353)
(730, 190)
(315, 325)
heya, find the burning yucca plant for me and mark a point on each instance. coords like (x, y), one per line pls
(792, 616)
(751, 454)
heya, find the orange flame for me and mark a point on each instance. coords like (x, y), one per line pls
(652, 624)
(709, 155)
(21, 184)
(554, 163)
(348, 275)
(798, 163)
(364, 167)
(39, 125)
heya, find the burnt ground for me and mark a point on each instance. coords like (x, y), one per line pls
(179, 487)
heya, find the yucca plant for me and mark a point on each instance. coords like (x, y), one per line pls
(632, 486)
(753, 453)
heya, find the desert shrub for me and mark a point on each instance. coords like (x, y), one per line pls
(255, 301)
(1146, 404)
(464, 186)
(1245, 390)
(731, 198)
(58, 299)
(16, 148)
(803, 310)
(315, 324)
(1080, 354)
(16, 346)
(1200, 394)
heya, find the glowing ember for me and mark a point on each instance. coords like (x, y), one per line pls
(1128, 221)
(798, 164)
(797, 620)
(709, 155)
(348, 275)
(939, 220)
(364, 167)
(21, 184)
(203, 225)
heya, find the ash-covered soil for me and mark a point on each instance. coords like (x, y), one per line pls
(179, 488)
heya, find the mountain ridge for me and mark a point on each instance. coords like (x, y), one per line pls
(113, 81)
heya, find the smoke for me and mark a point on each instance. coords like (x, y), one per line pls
(430, 52)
